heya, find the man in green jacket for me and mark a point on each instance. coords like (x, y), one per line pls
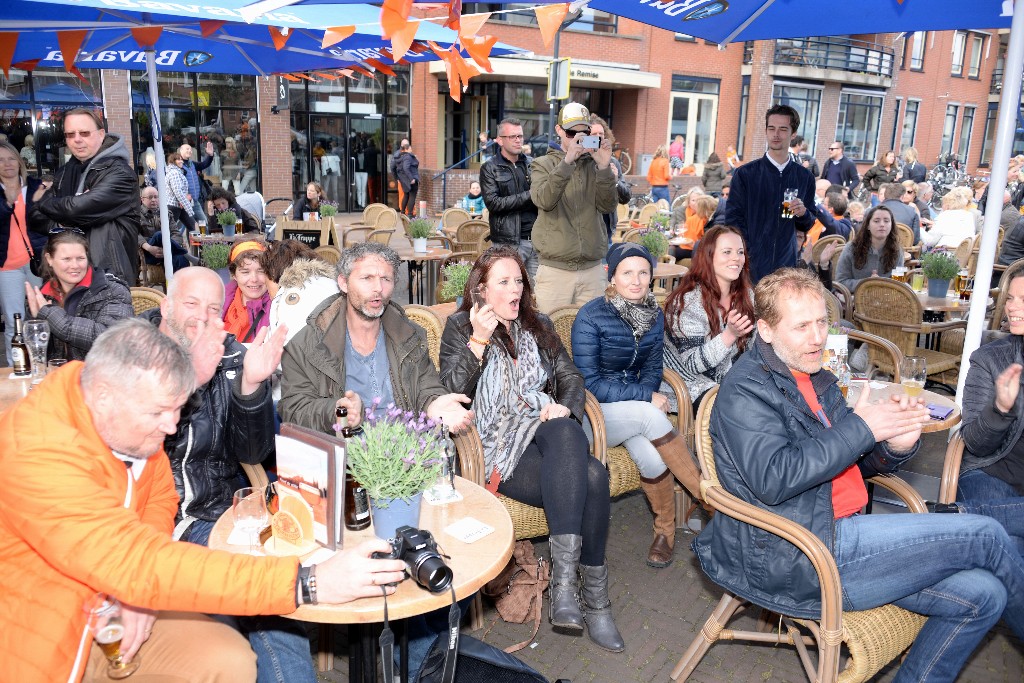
(572, 189)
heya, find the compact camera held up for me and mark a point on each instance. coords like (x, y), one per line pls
(590, 141)
(418, 549)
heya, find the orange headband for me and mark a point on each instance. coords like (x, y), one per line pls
(248, 245)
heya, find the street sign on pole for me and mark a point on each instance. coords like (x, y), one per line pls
(558, 79)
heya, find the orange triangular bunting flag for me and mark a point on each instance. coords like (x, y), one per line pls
(380, 66)
(393, 16)
(347, 73)
(27, 65)
(146, 36)
(210, 26)
(472, 23)
(454, 12)
(336, 34)
(7, 43)
(289, 77)
(441, 53)
(70, 42)
(549, 18)
(330, 77)
(278, 36)
(401, 39)
(362, 70)
(479, 48)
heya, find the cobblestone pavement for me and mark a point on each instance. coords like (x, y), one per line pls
(660, 611)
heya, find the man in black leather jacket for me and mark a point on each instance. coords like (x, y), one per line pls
(505, 182)
(786, 442)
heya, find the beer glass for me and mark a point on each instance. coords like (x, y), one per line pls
(968, 287)
(788, 196)
(960, 282)
(249, 506)
(202, 227)
(37, 336)
(104, 615)
(899, 274)
(913, 375)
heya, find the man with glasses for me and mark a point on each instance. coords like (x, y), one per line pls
(572, 188)
(840, 170)
(96, 192)
(505, 183)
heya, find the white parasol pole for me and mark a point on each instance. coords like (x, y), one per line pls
(1009, 105)
(158, 151)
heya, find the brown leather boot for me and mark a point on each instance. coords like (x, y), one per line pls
(673, 450)
(660, 495)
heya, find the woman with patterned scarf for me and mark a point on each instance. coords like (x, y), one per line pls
(249, 292)
(617, 343)
(528, 398)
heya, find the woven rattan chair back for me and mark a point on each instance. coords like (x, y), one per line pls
(329, 253)
(563, 318)
(963, 252)
(145, 298)
(454, 217)
(820, 245)
(883, 308)
(645, 214)
(370, 213)
(386, 220)
(380, 236)
(427, 320)
(905, 234)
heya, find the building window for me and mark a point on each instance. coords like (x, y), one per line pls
(977, 45)
(909, 123)
(895, 123)
(989, 140)
(686, 38)
(807, 102)
(965, 134)
(948, 127)
(959, 47)
(857, 127)
(741, 137)
(592, 20)
(918, 41)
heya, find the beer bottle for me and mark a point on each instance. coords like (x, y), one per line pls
(357, 502)
(21, 361)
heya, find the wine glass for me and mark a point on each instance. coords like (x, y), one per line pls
(443, 488)
(104, 615)
(913, 375)
(249, 506)
(37, 336)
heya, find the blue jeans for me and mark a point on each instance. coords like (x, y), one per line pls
(962, 571)
(281, 645)
(982, 494)
(12, 300)
(635, 424)
(660, 192)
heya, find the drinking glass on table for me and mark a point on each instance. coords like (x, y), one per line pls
(899, 273)
(104, 620)
(37, 336)
(249, 507)
(917, 281)
(913, 375)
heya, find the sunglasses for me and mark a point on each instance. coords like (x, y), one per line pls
(60, 228)
(512, 137)
(833, 149)
(84, 134)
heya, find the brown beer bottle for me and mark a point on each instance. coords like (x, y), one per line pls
(21, 361)
(357, 502)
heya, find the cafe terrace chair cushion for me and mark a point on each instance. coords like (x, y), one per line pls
(873, 638)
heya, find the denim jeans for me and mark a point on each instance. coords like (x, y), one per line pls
(660, 192)
(962, 571)
(12, 300)
(635, 424)
(982, 494)
(281, 645)
(530, 258)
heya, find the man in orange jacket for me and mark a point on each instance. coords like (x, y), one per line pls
(89, 506)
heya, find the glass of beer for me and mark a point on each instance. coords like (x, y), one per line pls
(202, 227)
(104, 615)
(913, 375)
(968, 287)
(960, 282)
(899, 273)
(788, 196)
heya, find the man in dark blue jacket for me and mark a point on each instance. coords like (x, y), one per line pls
(756, 198)
(806, 459)
(838, 169)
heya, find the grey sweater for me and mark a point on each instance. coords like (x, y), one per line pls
(850, 276)
(988, 435)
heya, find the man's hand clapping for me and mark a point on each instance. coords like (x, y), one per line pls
(737, 326)
(207, 348)
(897, 421)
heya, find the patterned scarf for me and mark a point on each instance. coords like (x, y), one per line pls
(640, 317)
(509, 398)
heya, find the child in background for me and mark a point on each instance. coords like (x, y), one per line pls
(474, 201)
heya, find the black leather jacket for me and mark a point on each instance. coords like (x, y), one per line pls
(506, 190)
(460, 368)
(218, 429)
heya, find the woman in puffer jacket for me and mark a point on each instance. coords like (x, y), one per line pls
(617, 343)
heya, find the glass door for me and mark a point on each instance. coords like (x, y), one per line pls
(330, 167)
(366, 160)
(694, 116)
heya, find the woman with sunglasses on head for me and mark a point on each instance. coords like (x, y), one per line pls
(77, 301)
(18, 241)
(528, 399)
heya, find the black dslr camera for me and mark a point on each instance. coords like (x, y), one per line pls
(418, 549)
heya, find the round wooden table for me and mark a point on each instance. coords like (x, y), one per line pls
(12, 389)
(892, 388)
(431, 261)
(944, 304)
(473, 564)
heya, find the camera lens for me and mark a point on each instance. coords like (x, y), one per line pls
(430, 571)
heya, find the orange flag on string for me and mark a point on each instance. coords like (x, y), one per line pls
(549, 18)
(393, 16)
(479, 48)
(330, 77)
(347, 73)
(472, 24)
(70, 42)
(210, 26)
(7, 43)
(289, 77)
(361, 70)
(146, 36)
(380, 66)
(402, 37)
(28, 65)
(454, 14)
(279, 37)
(336, 34)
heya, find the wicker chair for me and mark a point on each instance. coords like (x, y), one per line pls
(820, 245)
(645, 214)
(370, 214)
(891, 310)
(454, 217)
(329, 253)
(431, 324)
(951, 469)
(468, 234)
(1004, 291)
(380, 236)
(963, 252)
(873, 637)
(145, 298)
(386, 220)
(906, 235)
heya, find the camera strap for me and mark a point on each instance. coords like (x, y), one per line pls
(387, 642)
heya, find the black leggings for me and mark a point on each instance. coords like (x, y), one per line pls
(557, 473)
(409, 200)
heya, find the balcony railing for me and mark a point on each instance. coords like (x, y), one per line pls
(842, 54)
